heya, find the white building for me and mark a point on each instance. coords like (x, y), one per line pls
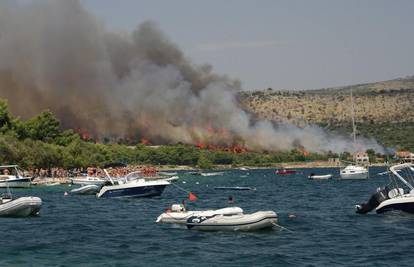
(361, 158)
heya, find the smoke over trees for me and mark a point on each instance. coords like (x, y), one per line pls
(56, 55)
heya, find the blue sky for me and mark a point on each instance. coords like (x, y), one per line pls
(281, 44)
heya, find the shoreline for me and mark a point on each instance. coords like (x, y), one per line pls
(288, 165)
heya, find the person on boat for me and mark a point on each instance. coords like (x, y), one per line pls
(230, 200)
(6, 172)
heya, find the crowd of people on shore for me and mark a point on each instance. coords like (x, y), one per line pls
(89, 171)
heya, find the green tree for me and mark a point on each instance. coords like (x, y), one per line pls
(44, 127)
(204, 162)
(5, 116)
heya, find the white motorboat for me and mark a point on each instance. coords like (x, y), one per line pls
(19, 207)
(89, 189)
(313, 176)
(354, 172)
(240, 222)
(88, 180)
(12, 176)
(397, 195)
(132, 188)
(177, 214)
(211, 173)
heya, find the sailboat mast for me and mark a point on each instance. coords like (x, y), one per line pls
(353, 119)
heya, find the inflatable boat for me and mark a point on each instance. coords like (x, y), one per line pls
(19, 207)
(240, 222)
(86, 190)
(179, 215)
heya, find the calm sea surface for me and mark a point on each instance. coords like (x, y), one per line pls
(82, 230)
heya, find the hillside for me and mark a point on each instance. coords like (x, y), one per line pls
(383, 110)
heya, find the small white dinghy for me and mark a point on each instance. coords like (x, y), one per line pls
(19, 207)
(320, 177)
(179, 215)
(240, 222)
(89, 189)
(211, 173)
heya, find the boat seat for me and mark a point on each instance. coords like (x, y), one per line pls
(395, 192)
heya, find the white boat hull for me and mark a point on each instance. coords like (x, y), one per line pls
(181, 217)
(86, 190)
(207, 174)
(320, 177)
(21, 207)
(135, 188)
(362, 175)
(243, 222)
(16, 183)
(354, 172)
(403, 203)
(87, 181)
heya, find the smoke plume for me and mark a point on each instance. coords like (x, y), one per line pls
(56, 55)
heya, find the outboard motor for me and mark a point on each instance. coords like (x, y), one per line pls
(373, 202)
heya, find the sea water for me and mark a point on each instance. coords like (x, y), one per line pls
(324, 231)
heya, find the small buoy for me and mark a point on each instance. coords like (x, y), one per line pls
(66, 194)
(197, 183)
(184, 182)
(70, 185)
(291, 216)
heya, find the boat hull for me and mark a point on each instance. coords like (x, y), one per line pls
(404, 203)
(183, 216)
(21, 207)
(244, 222)
(86, 190)
(355, 176)
(86, 181)
(131, 192)
(320, 177)
(16, 183)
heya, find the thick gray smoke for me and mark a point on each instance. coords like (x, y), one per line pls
(56, 55)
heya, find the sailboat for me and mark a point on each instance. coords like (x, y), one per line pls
(353, 170)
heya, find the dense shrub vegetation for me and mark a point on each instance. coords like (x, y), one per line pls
(40, 142)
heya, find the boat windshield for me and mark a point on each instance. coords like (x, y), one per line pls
(133, 176)
(11, 171)
(403, 174)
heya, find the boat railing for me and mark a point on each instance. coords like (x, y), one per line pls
(396, 171)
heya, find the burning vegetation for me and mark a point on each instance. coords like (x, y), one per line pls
(115, 85)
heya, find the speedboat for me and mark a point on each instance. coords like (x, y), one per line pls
(86, 189)
(177, 214)
(19, 207)
(88, 180)
(354, 172)
(397, 195)
(12, 176)
(132, 188)
(239, 222)
(313, 176)
(285, 171)
(131, 185)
